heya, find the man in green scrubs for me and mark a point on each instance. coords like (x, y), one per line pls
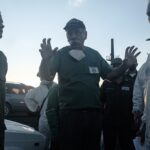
(3, 71)
(79, 70)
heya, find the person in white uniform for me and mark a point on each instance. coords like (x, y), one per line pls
(141, 102)
(35, 100)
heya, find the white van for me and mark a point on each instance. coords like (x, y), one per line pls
(22, 137)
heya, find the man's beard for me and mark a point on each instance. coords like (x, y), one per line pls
(76, 45)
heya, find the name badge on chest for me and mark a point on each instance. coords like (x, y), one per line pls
(125, 88)
(93, 70)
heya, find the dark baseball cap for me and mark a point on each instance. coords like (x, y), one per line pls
(147, 39)
(74, 23)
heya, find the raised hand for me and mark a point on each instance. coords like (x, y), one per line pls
(46, 49)
(131, 55)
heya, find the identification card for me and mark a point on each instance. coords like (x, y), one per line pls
(93, 70)
(125, 88)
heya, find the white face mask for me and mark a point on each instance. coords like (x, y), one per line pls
(132, 74)
(77, 54)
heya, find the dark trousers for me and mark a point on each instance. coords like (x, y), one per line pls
(2, 125)
(55, 144)
(2, 134)
(80, 129)
(121, 135)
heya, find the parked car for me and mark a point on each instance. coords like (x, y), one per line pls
(22, 137)
(14, 101)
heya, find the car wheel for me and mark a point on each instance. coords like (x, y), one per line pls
(7, 109)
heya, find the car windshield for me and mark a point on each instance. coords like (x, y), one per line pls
(16, 90)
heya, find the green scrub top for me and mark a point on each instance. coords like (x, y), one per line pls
(79, 80)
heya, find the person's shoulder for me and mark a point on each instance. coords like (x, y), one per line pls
(90, 49)
(142, 69)
(143, 65)
(2, 55)
(93, 52)
(64, 49)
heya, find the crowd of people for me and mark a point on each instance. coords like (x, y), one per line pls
(75, 112)
(118, 123)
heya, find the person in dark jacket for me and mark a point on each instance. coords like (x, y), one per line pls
(3, 71)
(118, 123)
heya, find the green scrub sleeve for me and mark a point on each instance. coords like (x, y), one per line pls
(105, 68)
(52, 111)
